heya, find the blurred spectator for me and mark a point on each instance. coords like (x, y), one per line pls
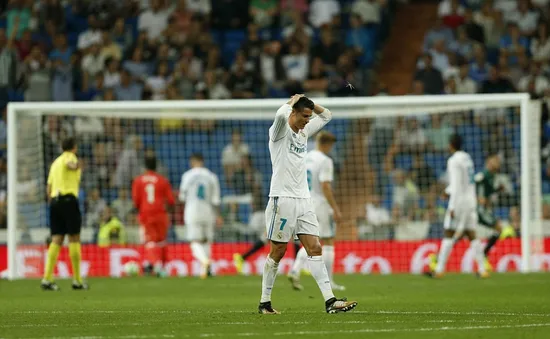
(123, 205)
(61, 52)
(194, 64)
(242, 83)
(438, 32)
(91, 36)
(324, 12)
(473, 30)
(212, 88)
(411, 139)
(111, 229)
(229, 14)
(291, 8)
(19, 17)
(264, 12)
(453, 70)
(129, 162)
(359, 39)
(495, 83)
(465, 84)
(173, 35)
(92, 63)
(270, 64)
(377, 215)
(24, 45)
(103, 164)
(316, 84)
(327, 49)
(53, 10)
(405, 197)
(297, 29)
(422, 174)
(157, 83)
(88, 127)
(110, 49)
(438, 133)
(27, 186)
(127, 89)
(253, 45)
(8, 66)
(95, 205)
(462, 46)
(37, 76)
(154, 20)
(182, 16)
(343, 75)
(540, 44)
(183, 82)
(202, 7)
(535, 76)
(136, 66)
(479, 68)
(245, 178)
(440, 59)
(430, 77)
(513, 43)
(485, 18)
(62, 80)
(111, 75)
(368, 10)
(452, 13)
(296, 63)
(524, 18)
(121, 34)
(233, 154)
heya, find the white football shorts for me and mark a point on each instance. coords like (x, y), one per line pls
(288, 217)
(464, 219)
(200, 230)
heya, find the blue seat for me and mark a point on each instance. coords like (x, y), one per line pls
(236, 35)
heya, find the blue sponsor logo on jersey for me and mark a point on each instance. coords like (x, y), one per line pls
(298, 148)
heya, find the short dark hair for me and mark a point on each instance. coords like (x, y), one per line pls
(303, 103)
(151, 163)
(68, 144)
(456, 141)
(197, 156)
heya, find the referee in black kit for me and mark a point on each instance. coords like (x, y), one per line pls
(65, 218)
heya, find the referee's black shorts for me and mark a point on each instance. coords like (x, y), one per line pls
(65, 217)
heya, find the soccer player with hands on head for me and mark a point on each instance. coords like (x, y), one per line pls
(290, 211)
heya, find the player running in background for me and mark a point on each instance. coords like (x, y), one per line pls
(151, 193)
(65, 218)
(461, 216)
(320, 175)
(200, 191)
(486, 190)
(289, 212)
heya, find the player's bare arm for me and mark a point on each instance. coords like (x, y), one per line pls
(329, 194)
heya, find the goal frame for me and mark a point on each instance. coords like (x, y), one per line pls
(261, 109)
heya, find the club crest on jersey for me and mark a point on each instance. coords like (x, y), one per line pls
(280, 235)
(302, 134)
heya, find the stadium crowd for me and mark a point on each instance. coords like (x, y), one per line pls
(53, 50)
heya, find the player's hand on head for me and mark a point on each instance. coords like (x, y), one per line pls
(294, 99)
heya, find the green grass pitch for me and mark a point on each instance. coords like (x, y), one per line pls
(507, 306)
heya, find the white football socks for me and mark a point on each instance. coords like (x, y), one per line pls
(444, 252)
(328, 258)
(299, 262)
(268, 279)
(207, 248)
(479, 256)
(319, 273)
(198, 252)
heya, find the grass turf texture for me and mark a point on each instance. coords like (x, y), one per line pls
(510, 306)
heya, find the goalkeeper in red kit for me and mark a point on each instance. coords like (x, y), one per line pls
(151, 193)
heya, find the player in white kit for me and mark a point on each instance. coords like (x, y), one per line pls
(320, 175)
(461, 215)
(289, 212)
(200, 191)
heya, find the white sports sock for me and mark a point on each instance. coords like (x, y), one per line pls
(207, 248)
(319, 272)
(299, 262)
(444, 252)
(328, 258)
(268, 279)
(479, 256)
(198, 252)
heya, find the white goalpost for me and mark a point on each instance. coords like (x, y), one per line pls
(369, 162)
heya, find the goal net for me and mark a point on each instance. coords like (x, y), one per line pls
(390, 160)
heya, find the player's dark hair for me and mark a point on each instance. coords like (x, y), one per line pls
(197, 156)
(456, 141)
(303, 103)
(151, 163)
(68, 144)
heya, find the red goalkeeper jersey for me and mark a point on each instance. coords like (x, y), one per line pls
(151, 193)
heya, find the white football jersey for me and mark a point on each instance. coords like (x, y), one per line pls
(320, 168)
(200, 190)
(462, 185)
(288, 152)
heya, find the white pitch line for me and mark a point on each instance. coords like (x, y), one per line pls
(298, 333)
(511, 314)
